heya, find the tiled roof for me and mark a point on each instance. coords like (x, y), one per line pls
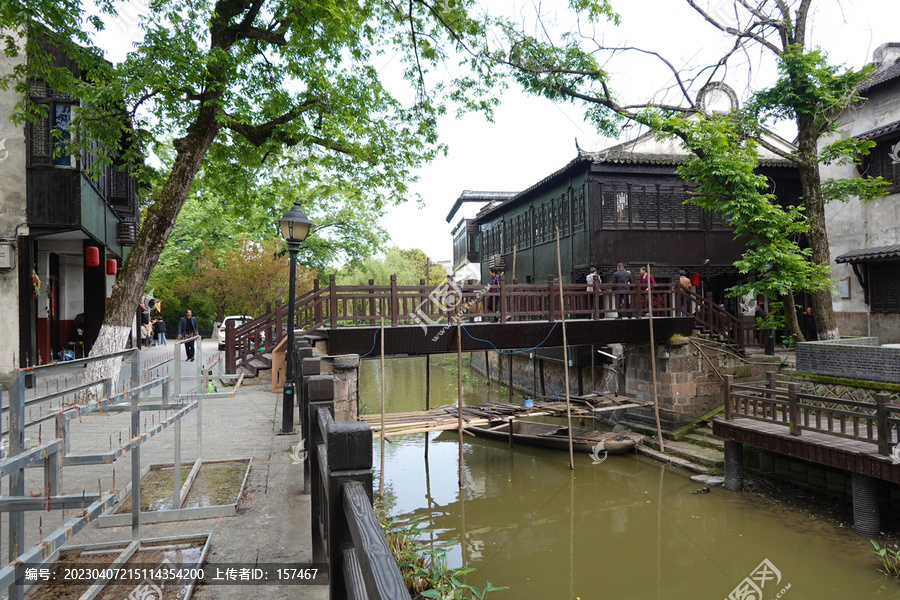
(868, 254)
(882, 76)
(878, 132)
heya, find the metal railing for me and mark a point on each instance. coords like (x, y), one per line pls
(62, 406)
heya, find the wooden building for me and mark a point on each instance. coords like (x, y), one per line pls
(63, 233)
(623, 204)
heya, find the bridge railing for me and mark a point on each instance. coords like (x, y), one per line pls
(873, 420)
(354, 305)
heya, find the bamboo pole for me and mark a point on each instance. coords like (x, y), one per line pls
(562, 311)
(381, 471)
(427, 397)
(459, 418)
(662, 446)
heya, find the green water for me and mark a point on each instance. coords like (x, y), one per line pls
(624, 528)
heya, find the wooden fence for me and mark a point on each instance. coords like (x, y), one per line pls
(873, 420)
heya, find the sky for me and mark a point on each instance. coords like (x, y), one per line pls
(533, 137)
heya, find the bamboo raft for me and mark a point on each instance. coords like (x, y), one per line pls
(443, 418)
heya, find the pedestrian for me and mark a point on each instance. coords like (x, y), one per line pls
(187, 329)
(621, 280)
(593, 279)
(492, 303)
(809, 325)
(760, 315)
(648, 282)
(685, 283)
(159, 327)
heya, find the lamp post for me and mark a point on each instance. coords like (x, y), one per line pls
(295, 226)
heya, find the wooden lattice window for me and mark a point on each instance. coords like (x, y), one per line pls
(579, 215)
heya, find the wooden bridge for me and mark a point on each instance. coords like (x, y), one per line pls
(851, 429)
(526, 313)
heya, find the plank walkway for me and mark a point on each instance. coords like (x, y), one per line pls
(856, 456)
(443, 418)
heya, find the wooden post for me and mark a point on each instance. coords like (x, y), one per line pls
(772, 385)
(565, 355)
(372, 303)
(659, 436)
(726, 387)
(882, 399)
(459, 402)
(511, 437)
(395, 301)
(551, 295)
(427, 399)
(510, 386)
(317, 310)
(503, 299)
(333, 301)
(381, 437)
(793, 409)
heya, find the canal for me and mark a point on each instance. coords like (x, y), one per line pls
(627, 527)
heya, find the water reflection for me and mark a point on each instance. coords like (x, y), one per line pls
(627, 527)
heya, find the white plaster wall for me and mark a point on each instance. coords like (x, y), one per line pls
(12, 213)
(856, 224)
(72, 294)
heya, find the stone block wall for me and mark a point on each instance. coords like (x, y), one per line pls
(689, 382)
(854, 358)
(345, 370)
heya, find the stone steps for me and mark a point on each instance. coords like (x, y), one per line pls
(671, 459)
(710, 458)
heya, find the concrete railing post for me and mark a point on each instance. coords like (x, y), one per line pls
(793, 408)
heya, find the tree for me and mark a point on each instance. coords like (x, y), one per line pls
(809, 91)
(407, 265)
(240, 81)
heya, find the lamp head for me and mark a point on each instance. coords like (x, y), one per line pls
(295, 225)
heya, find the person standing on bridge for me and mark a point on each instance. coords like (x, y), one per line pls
(187, 328)
(685, 283)
(492, 298)
(648, 282)
(621, 282)
(593, 280)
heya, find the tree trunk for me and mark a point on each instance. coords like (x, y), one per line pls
(808, 166)
(790, 315)
(155, 229)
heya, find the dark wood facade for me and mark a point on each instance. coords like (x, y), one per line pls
(71, 203)
(616, 207)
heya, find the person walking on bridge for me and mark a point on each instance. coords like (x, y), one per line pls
(187, 328)
(621, 280)
(593, 282)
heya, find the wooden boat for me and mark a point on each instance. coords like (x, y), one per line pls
(547, 435)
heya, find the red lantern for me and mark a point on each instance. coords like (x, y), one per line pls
(112, 267)
(695, 279)
(92, 256)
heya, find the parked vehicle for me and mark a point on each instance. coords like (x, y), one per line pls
(238, 320)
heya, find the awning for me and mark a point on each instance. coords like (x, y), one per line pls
(870, 254)
(878, 132)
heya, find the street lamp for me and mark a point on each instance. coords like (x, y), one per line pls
(295, 226)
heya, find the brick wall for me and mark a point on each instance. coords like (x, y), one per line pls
(854, 358)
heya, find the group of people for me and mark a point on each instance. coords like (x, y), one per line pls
(622, 282)
(154, 332)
